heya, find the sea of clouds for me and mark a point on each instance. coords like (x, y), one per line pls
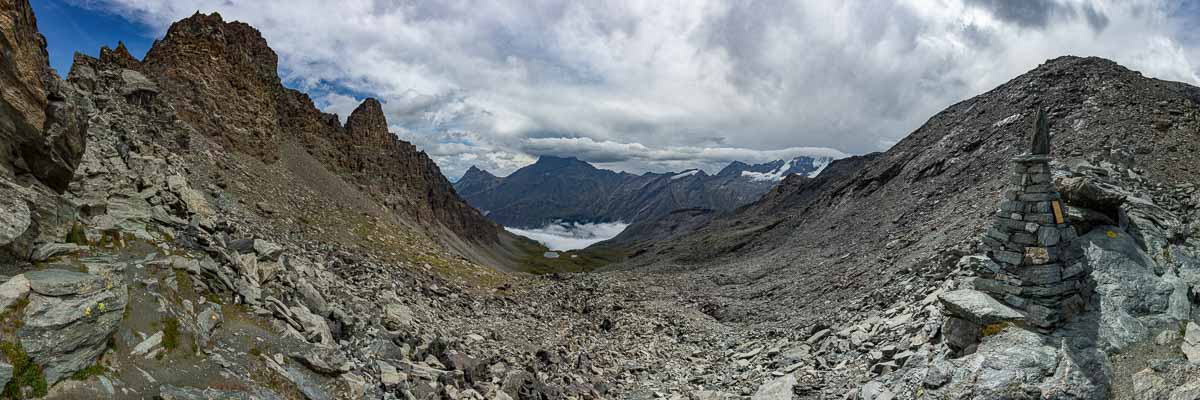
(563, 236)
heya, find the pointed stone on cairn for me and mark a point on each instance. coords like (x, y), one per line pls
(1042, 269)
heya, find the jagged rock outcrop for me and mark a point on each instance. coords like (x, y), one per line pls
(41, 126)
(406, 178)
(42, 133)
(221, 79)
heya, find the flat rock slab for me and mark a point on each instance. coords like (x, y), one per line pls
(978, 307)
(61, 282)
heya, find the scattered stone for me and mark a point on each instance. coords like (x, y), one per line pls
(397, 316)
(389, 376)
(267, 251)
(324, 361)
(209, 319)
(938, 375)
(817, 337)
(1166, 337)
(777, 389)
(149, 344)
(748, 354)
(1191, 342)
(16, 288)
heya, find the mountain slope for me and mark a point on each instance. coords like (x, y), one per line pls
(817, 247)
(568, 189)
(221, 79)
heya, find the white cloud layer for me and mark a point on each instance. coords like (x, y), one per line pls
(562, 236)
(667, 85)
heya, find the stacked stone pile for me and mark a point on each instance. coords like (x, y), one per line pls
(1039, 268)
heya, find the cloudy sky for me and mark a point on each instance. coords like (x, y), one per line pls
(657, 85)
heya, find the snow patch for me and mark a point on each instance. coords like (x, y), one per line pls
(820, 163)
(777, 175)
(685, 174)
(563, 236)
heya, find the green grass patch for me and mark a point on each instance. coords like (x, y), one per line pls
(535, 261)
(10, 320)
(995, 328)
(170, 334)
(26, 373)
(84, 374)
(76, 235)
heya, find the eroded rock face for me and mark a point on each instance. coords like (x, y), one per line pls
(42, 132)
(221, 78)
(69, 319)
(41, 125)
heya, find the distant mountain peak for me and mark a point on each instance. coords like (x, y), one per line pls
(476, 171)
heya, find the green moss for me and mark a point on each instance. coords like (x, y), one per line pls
(112, 240)
(10, 320)
(76, 235)
(84, 374)
(170, 334)
(26, 373)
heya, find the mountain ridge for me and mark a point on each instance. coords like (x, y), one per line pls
(568, 189)
(213, 72)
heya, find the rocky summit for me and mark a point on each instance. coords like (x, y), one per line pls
(185, 227)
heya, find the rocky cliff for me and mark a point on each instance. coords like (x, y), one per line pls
(42, 133)
(221, 77)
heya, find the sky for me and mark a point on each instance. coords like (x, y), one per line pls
(662, 85)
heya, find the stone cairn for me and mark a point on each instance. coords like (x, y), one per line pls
(1040, 266)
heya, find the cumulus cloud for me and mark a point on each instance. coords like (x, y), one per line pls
(669, 85)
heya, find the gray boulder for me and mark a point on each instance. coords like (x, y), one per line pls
(69, 319)
(325, 361)
(397, 316)
(16, 288)
(208, 321)
(1133, 299)
(14, 218)
(1191, 342)
(777, 389)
